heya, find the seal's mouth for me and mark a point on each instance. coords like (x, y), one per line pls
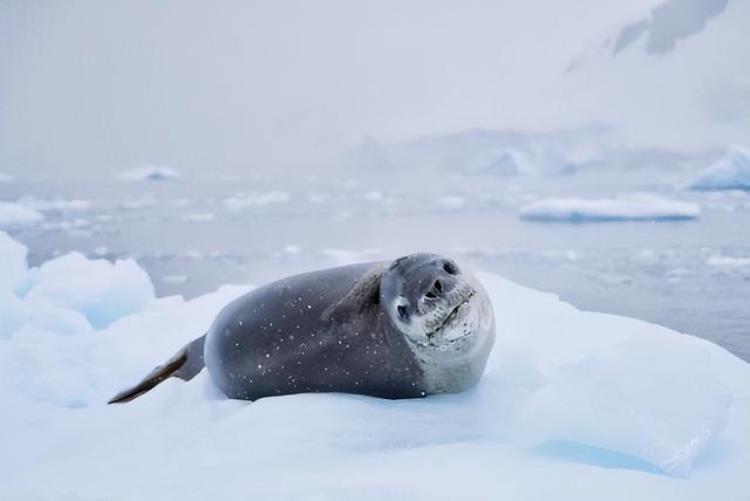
(447, 320)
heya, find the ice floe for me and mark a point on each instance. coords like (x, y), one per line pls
(573, 405)
(632, 208)
(731, 172)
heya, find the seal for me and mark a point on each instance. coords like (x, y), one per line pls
(413, 327)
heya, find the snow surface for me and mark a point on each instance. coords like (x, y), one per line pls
(150, 173)
(632, 208)
(731, 172)
(573, 405)
(12, 214)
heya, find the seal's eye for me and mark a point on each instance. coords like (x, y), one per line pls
(450, 268)
(401, 309)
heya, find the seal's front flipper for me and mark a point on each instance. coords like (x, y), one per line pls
(185, 364)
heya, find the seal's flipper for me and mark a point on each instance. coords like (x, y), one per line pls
(364, 294)
(185, 364)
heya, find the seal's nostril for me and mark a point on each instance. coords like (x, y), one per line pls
(401, 312)
(435, 291)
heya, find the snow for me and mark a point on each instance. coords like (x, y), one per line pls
(731, 172)
(150, 173)
(12, 214)
(5, 178)
(100, 290)
(13, 256)
(631, 208)
(573, 405)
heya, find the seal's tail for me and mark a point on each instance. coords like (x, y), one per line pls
(185, 364)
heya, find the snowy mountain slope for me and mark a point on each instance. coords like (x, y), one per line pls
(675, 75)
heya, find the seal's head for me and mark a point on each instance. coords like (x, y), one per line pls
(443, 312)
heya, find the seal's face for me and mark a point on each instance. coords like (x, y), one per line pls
(434, 304)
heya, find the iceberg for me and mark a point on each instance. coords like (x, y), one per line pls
(731, 172)
(573, 405)
(632, 208)
(513, 162)
(150, 173)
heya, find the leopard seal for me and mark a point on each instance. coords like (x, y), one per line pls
(416, 326)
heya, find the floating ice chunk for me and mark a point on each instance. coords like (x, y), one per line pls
(150, 173)
(292, 249)
(720, 261)
(73, 224)
(241, 202)
(12, 214)
(452, 202)
(199, 217)
(101, 290)
(175, 279)
(101, 251)
(732, 172)
(632, 208)
(343, 257)
(141, 203)
(56, 204)
(373, 196)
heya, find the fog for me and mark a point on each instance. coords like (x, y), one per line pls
(89, 87)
